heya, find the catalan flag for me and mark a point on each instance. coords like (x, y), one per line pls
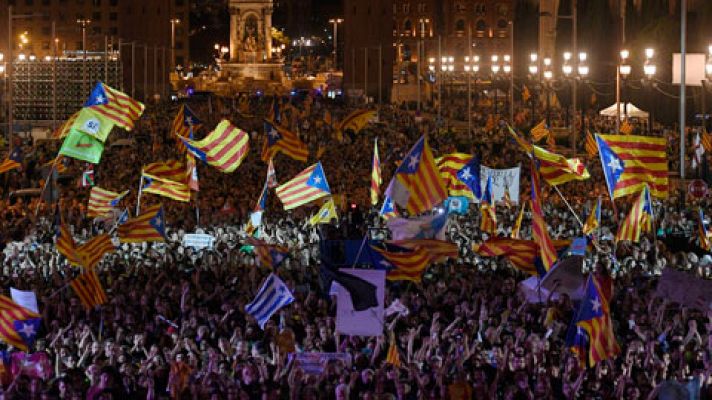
(387, 210)
(626, 128)
(438, 250)
(184, 124)
(631, 162)
(172, 171)
(307, 186)
(224, 148)
(89, 290)
(57, 163)
(281, 140)
(102, 201)
(417, 185)
(594, 316)
(177, 191)
(704, 236)
(326, 213)
(65, 245)
(147, 227)
(594, 219)
(115, 106)
(591, 147)
(91, 252)
(488, 222)
(540, 234)
(639, 219)
(63, 130)
(518, 222)
(18, 325)
(706, 140)
(521, 253)
(8, 165)
(393, 357)
(403, 265)
(526, 146)
(269, 256)
(556, 169)
(540, 131)
(376, 178)
(526, 95)
(461, 174)
(356, 121)
(271, 175)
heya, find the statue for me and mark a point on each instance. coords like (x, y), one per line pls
(249, 38)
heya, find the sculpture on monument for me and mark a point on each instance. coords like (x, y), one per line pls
(249, 39)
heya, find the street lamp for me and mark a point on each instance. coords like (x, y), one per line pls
(174, 22)
(336, 22)
(471, 68)
(84, 23)
(649, 69)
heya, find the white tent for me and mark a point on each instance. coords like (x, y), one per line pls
(628, 108)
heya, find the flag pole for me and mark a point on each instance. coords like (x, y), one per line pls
(568, 205)
(49, 177)
(138, 200)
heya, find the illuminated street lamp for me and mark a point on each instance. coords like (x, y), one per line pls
(336, 22)
(649, 69)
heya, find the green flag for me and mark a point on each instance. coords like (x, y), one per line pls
(82, 147)
(94, 124)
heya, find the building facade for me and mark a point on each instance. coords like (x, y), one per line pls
(146, 24)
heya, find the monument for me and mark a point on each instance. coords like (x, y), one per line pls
(251, 42)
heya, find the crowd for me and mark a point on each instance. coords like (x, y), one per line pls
(175, 324)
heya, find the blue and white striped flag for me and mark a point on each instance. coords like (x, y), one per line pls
(273, 295)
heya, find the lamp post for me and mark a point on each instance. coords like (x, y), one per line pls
(708, 76)
(507, 69)
(649, 69)
(622, 71)
(548, 75)
(336, 22)
(84, 23)
(534, 74)
(472, 67)
(447, 67)
(495, 70)
(174, 22)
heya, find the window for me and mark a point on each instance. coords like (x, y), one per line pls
(45, 45)
(480, 10)
(96, 15)
(460, 8)
(113, 3)
(113, 30)
(179, 45)
(46, 30)
(406, 8)
(460, 25)
(481, 26)
(29, 2)
(407, 26)
(79, 45)
(113, 16)
(502, 10)
(422, 8)
(96, 30)
(502, 23)
(179, 60)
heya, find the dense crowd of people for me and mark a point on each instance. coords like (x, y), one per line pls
(175, 324)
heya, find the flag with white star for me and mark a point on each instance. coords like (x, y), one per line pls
(470, 175)
(307, 186)
(17, 324)
(630, 162)
(593, 316)
(184, 125)
(113, 106)
(417, 185)
(147, 227)
(387, 210)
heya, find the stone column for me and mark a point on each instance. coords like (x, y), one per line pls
(268, 33)
(234, 33)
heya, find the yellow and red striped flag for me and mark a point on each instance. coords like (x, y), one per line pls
(539, 131)
(556, 169)
(281, 140)
(638, 220)
(417, 185)
(114, 106)
(631, 162)
(63, 130)
(518, 222)
(184, 125)
(177, 191)
(147, 227)
(540, 234)
(8, 165)
(172, 170)
(706, 141)
(91, 252)
(355, 121)
(102, 201)
(224, 148)
(626, 128)
(521, 253)
(376, 178)
(307, 186)
(89, 290)
(488, 223)
(57, 163)
(65, 245)
(438, 250)
(449, 165)
(12, 316)
(526, 146)
(591, 147)
(594, 317)
(407, 266)
(393, 357)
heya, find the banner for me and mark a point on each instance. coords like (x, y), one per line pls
(26, 299)
(82, 147)
(360, 323)
(685, 288)
(313, 363)
(501, 179)
(457, 205)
